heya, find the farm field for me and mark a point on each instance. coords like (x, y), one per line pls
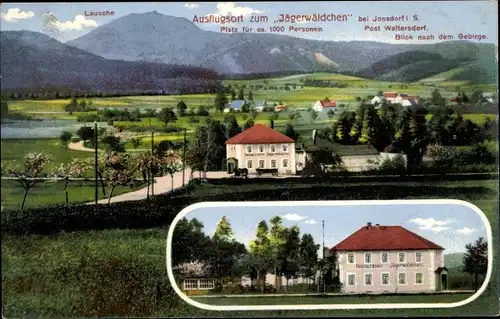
(304, 300)
(49, 193)
(13, 150)
(70, 274)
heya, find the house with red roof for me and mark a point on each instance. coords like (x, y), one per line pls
(324, 105)
(396, 98)
(390, 259)
(261, 147)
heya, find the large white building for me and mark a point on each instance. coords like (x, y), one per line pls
(261, 147)
(390, 259)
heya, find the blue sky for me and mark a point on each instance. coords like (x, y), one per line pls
(446, 17)
(450, 226)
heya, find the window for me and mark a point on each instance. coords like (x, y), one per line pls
(206, 284)
(419, 278)
(190, 284)
(284, 148)
(261, 148)
(368, 258)
(249, 164)
(249, 148)
(273, 148)
(368, 280)
(285, 163)
(418, 257)
(261, 163)
(402, 279)
(384, 258)
(385, 278)
(351, 280)
(273, 163)
(401, 257)
(350, 258)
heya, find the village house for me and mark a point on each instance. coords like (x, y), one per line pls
(234, 106)
(355, 158)
(280, 108)
(261, 147)
(324, 105)
(390, 259)
(395, 98)
(259, 106)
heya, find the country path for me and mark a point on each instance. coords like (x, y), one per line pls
(162, 185)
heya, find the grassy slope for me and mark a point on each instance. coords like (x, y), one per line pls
(32, 266)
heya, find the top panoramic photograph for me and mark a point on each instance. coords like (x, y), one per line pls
(117, 116)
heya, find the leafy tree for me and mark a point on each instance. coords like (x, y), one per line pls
(291, 133)
(291, 116)
(181, 105)
(74, 169)
(85, 133)
(233, 95)
(475, 260)
(313, 115)
(260, 248)
(167, 115)
(241, 94)
(118, 171)
(308, 255)
(254, 115)
(65, 137)
(136, 142)
(170, 163)
(231, 126)
(248, 124)
(220, 101)
(462, 98)
(291, 251)
(476, 97)
(82, 105)
(189, 242)
(330, 114)
(30, 175)
(113, 143)
(437, 98)
(250, 96)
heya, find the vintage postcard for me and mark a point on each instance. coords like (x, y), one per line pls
(277, 158)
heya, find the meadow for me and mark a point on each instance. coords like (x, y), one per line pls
(117, 272)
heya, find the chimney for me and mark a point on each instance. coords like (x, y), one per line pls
(369, 224)
(271, 124)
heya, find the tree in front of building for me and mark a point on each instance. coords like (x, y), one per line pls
(248, 124)
(291, 132)
(308, 256)
(233, 95)
(437, 99)
(250, 96)
(241, 94)
(260, 249)
(475, 260)
(290, 260)
(220, 101)
(31, 173)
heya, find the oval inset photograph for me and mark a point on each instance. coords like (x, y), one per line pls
(330, 255)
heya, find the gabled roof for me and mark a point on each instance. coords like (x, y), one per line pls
(327, 103)
(259, 134)
(373, 238)
(341, 150)
(390, 94)
(237, 104)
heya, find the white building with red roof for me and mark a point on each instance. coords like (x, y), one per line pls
(390, 259)
(324, 105)
(261, 147)
(396, 98)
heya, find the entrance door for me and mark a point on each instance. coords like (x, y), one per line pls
(230, 167)
(444, 282)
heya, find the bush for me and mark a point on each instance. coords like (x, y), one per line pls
(171, 129)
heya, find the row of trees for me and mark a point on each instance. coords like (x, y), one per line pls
(277, 249)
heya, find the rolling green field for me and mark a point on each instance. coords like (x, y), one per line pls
(52, 193)
(118, 272)
(14, 150)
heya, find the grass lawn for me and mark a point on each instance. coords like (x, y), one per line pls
(52, 193)
(14, 150)
(115, 272)
(310, 300)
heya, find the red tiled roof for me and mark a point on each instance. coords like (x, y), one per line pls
(282, 106)
(259, 134)
(371, 238)
(327, 103)
(390, 94)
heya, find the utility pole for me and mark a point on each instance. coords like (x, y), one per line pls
(96, 172)
(323, 248)
(184, 160)
(152, 154)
